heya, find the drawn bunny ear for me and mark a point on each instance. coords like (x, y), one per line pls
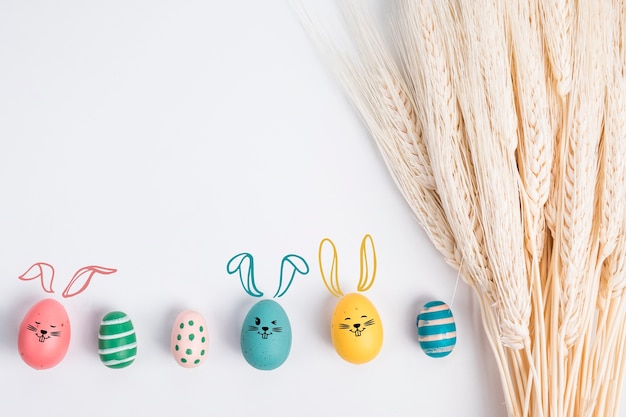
(83, 277)
(42, 270)
(298, 264)
(331, 280)
(368, 265)
(234, 265)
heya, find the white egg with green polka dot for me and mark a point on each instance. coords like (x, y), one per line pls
(190, 339)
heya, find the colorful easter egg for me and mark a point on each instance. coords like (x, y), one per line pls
(436, 329)
(266, 335)
(356, 329)
(190, 339)
(117, 342)
(44, 334)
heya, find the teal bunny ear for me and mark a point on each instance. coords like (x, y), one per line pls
(299, 265)
(234, 265)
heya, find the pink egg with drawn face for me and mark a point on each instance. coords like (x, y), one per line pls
(44, 334)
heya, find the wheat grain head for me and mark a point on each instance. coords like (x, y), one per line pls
(579, 167)
(611, 192)
(535, 150)
(557, 20)
(486, 101)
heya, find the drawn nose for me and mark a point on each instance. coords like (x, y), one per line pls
(356, 325)
(265, 328)
(44, 332)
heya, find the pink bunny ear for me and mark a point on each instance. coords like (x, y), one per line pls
(43, 271)
(84, 275)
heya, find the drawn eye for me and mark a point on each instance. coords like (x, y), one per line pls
(53, 326)
(274, 322)
(363, 317)
(347, 318)
(37, 323)
(257, 321)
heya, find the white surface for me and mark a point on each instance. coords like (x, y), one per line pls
(161, 138)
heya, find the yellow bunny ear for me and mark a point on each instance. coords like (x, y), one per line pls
(367, 271)
(332, 284)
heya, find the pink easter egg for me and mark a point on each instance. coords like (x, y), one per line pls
(44, 334)
(190, 339)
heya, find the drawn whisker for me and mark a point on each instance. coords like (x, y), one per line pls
(369, 322)
(277, 329)
(56, 333)
(253, 328)
(344, 326)
(31, 328)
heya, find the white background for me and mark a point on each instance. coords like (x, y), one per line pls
(161, 138)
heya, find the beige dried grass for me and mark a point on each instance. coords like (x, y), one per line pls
(535, 154)
(442, 127)
(377, 86)
(486, 99)
(557, 17)
(503, 123)
(535, 151)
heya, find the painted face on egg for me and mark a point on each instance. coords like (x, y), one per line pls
(266, 335)
(44, 334)
(45, 330)
(356, 329)
(264, 329)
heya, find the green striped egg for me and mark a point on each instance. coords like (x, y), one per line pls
(117, 342)
(436, 329)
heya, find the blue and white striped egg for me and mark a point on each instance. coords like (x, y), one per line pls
(117, 342)
(436, 329)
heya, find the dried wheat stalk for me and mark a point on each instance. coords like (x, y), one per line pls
(503, 123)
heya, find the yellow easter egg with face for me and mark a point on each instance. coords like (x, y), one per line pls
(356, 329)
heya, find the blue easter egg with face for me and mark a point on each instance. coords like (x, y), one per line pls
(266, 335)
(436, 329)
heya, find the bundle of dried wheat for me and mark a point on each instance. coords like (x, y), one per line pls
(502, 123)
